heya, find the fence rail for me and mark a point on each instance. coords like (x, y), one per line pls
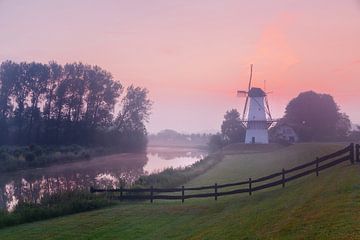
(350, 153)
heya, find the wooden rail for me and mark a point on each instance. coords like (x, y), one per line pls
(351, 152)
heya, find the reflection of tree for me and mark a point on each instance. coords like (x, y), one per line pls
(33, 185)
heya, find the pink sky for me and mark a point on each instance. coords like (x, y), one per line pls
(194, 55)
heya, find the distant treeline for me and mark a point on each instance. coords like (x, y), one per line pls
(53, 104)
(170, 137)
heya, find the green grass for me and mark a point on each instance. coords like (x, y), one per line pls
(324, 207)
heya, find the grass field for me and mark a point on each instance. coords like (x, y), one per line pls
(324, 207)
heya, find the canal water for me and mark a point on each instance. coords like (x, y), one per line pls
(104, 172)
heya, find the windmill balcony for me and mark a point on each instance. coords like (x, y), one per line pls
(257, 124)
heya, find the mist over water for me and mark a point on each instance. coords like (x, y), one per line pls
(103, 172)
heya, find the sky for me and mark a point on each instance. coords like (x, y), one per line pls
(193, 56)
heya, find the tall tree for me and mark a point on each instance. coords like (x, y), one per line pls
(135, 109)
(55, 78)
(101, 96)
(232, 128)
(21, 92)
(8, 72)
(130, 122)
(37, 77)
(316, 117)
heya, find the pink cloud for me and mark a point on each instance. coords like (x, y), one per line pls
(273, 47)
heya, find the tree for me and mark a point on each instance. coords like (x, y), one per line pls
(134, 113)
(232, 128)
(8, 72)
(37, 77)
(55, 76)
(316, 117)
(20, 94)
(101, 96)
(135, 109)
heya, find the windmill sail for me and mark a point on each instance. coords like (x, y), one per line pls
(247, 96)
(241, 93)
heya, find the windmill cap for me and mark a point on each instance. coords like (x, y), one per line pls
(256, 92)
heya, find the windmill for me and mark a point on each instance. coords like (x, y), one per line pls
(256, 116)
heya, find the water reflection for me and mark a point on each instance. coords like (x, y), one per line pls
(104, 172)
(161, 158)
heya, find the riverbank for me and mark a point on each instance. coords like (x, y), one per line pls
(73, 198)
(15, 158)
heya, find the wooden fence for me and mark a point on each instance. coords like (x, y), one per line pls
(350, 153)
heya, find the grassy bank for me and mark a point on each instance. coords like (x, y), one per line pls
(13, 158)
(56, 205)
(173, 177)
(324, 207)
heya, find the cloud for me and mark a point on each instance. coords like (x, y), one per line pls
(273, 47)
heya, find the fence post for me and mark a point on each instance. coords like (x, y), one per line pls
(283, 177)
(151, 194)
(215, 191)
(357, 148)
(121, 193)
(250, 190)
(352, 153)
(182, 194)
(317, 166)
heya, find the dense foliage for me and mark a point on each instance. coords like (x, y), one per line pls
(231, 128)
(316, 117)
(70, 104)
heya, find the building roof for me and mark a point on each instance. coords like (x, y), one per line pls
(256, 92)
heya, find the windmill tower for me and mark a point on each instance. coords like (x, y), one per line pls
(256, 116)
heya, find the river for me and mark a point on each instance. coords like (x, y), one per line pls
(104, 172)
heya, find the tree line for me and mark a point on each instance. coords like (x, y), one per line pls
(75, 103)
(168, 137)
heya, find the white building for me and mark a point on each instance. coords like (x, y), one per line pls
(284, 132)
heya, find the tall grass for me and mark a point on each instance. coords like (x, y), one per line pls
(174, 177)
(56, 205)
